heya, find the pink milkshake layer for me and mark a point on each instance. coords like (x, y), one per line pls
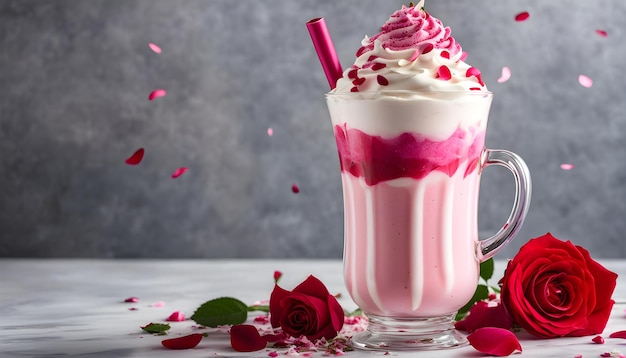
(410, 219)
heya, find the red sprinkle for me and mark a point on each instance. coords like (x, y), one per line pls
(445, 54)
(295, 188)
(428, 48)
(361, 51)
(178, 172)
(472, 71)
(522, 16)
(372, 58)
(185, 342)
(131, 299)
(378, 66)
(156, 94)
(602, 33)
(136, 158)
(352, 74)
(598, 340)
(358, 81)
(354, 89)
(474, 88)
(444, 73)
(382, 80)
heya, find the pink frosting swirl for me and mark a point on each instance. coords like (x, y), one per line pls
(414, 28)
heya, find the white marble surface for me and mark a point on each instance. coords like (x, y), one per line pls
(74, 308)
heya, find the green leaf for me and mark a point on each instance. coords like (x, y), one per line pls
(156, 327)
(486, 269)
(261, 308)
(356, 312)
(481, 293)
(221, 311)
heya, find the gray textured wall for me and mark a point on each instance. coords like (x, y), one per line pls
(74, 83)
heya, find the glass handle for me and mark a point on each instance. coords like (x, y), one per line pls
(513, 162)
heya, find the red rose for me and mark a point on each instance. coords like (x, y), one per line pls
(553, 288)
(309, 310)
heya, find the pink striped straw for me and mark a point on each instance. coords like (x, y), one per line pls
(325, 50)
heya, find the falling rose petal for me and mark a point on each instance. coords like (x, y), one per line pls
(494, 341)
(618, 334)
(131, 299)
(178, 172)
(184, 342)
(506, 74)
(154, 47)
(270, 132)
(522, 16)
(156, 94)
(598, 340)
(602, 33)
(585, 81)
(136, 158)
(176, 316)
(567, 166)
(246, 338)
(295, 188)
(158, 304)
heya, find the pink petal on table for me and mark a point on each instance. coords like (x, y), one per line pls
(295, 188)
(154, 47)
(178, 172)
(270, 132)
(131, 299)
(522, 16)
(598, 340)
(618, 334)
(494, 341)
(158, 304)
(176, 316)
(136, 158)
(156, 94)
(585, 81)
(567, 166)
(602, 33)
(506, 74)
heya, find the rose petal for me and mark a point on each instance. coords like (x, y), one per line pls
(246, 338)
(156, 94)
(495, 341)
(585, 81)
(136, 158)
(506, 74)
(185, 342)
(178, 172)
(598, 340)
(567, 166)
(154, 47)
(295, 188)
(176, 316)
(522, 16)
(618, 334)
(276, 311)
(312, 286)
(158, 304)
(482, 314)
(270, 132)
(602, 33)
(131, 299)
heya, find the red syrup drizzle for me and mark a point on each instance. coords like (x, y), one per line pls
(408, 155)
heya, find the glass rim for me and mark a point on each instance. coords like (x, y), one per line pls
(406, 93)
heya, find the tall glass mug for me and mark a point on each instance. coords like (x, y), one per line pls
(410, 169)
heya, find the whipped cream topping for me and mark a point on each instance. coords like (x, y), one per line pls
(413, 52)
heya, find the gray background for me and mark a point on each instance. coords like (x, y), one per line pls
(74, 83)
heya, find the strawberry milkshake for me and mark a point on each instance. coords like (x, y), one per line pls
(409, 119)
